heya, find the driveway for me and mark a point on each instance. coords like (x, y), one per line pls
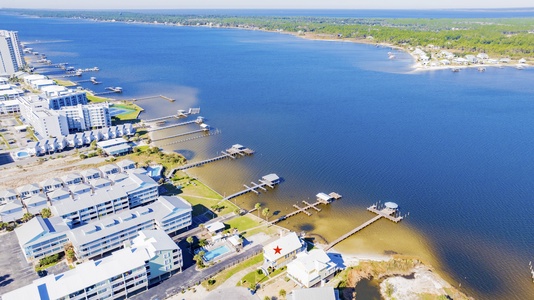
(15, 272)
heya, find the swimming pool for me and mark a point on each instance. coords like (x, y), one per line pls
(22, 154)
(210, 255)
(154, 172)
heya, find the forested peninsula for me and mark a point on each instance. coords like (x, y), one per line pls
(501, 37)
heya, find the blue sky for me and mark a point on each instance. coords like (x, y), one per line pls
(255, 4)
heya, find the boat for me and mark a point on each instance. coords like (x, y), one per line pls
(79, 73)
(160, 123)
(519, 67)
(455, 70)
(481, 69)
(391, 56)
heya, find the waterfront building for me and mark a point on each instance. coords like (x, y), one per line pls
(59, 96)
(42, 237)
(151, 257)
(9, 92)
(9, 107)
(86, 117)
(11, 60)
(141, 188)
(311, 268)
(30, 78)
(46, 123)
(39, 84)
(59, 194)
(282, 251)
(109, 169)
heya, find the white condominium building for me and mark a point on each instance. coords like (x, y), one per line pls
(11, 59)
(42, 237)
(151, 257)
(59, 96)
(86, 117)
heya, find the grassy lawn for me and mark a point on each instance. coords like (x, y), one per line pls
(95, 99)
(66, 83)
(256, 276)
(146, 157)
(200, 195)
(243, 223)
(131, 114)
(224, 275)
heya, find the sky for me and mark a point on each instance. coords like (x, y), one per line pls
(258, 4)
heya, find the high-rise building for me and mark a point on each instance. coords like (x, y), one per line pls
(11, 59)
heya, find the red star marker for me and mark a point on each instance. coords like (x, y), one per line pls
(277, 250)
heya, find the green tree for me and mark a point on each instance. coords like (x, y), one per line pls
(26, 217)
(99, 152)
(265, 212)
(282, 293)
(189, 240)
(202, 242)
(93, 145)
(46, 213)
(257, 206)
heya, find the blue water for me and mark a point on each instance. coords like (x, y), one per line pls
(453, 149)
(210, 255)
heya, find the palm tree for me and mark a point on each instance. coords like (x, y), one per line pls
(46, 213)
(190, 240)
(265, 213)
(257, 207)
(26, 217)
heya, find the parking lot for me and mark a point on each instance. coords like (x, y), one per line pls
(15, 272)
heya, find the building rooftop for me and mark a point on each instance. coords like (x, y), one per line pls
(215, 226)
(321, 293)
(111, 142)
(125, 163)
(85, 200)
(7, 193)
(286, 244)
(28, 188)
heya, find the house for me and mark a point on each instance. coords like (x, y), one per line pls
(28, 190)
(445, 62)
(51, 184)
(461, 61)
(7, 196)
(100, 183)
(125, 164)
(90, 174)
(522, 61)
(116, 146)
(117, 177)
(504, 60)
(482, 56)
(81, 188)
(471, 59)
(11, 211)
(215, 227)
(324, 198)
(321, 293)
(72, 178)
(271, 179)
(311, 268)
(36, 203)
(109, 169)
(59, 194)
(282, 251)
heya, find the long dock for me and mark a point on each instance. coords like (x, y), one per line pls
(171, 126)
(270, 180)
(178, 135)
(210, 133)
(230, 153)
(382, 213)
(153, 97)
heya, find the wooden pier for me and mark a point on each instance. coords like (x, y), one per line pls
(381, 213)
(320, 200)
(224, 154)
(153, 97)
(213, 132)
(172, 125)
(270, 180)
(179, 135)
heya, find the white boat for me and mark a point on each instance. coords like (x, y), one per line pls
(455, 70)
(481, 69)
(520, 67)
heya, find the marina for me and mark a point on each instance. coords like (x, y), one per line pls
(388, 211)
(179, 114)
(231, 153)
